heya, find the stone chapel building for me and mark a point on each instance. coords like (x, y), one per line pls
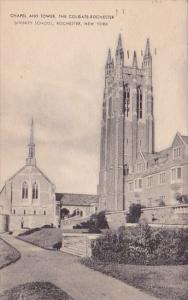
(27, 199)
(130, 169)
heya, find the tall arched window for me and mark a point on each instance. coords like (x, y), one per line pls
(139, 103)
(35, 191)
(24, 190)
(126, 100)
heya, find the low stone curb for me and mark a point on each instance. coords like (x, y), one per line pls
(13, 261)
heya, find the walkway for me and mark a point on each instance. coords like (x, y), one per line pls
(66, 272)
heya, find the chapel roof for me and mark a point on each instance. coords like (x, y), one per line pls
(76, 199)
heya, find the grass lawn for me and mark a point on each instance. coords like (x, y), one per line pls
(165, 282)
(8, 254)
(35, 291)
(45, 237)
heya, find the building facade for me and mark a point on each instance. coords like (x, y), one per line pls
(27, 199)
(130, 170)
(82, 205)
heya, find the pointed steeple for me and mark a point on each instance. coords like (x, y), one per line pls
(109, 59)
(112, 63)
(147, 59)
(31, 161)
(147, 52)
(119, 45)
(119, 52)
(135, 63)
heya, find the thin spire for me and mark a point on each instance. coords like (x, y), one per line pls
(31, 133)
(112, 63)
(135, 63)
(147, 50)
(109, 59)
(119, 45)
(30, 161)
(119, 52)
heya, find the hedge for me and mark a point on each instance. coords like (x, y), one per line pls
(143, 245)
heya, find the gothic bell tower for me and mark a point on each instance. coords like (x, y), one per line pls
(127, 123)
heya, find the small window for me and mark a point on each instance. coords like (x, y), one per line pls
(177, 152)
(138, 184)
(24, 212)
(178, 173)
(34, 212)
(126, 170)
(173, 174)
(150, 181)
(14, 211)
(162, 178)
(130, 186)
(44, 212)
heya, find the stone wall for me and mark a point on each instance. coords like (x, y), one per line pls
(170, 215)
(115, 219)
(29, 221)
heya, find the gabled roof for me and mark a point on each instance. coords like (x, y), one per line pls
(76, 199)
(182, 138)
(185, 138)
(32, 167)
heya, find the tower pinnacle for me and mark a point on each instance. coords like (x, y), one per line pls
(135, 63)
(119, 52)
(147, 49)
(109, 57)
(31, 161)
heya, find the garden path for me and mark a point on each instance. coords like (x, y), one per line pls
(66, 272)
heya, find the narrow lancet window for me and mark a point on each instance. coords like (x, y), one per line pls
(127, 100)
(24, 190)
(35, 191)
(139, 103)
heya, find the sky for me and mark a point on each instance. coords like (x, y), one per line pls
(55, 74)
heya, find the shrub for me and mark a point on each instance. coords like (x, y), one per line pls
(182, 198)
(95, 223)
(47, 226)
(134, 213)
(143, 245)
(58, 245)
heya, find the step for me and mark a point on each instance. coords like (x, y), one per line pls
(75, 249)
(73, 252)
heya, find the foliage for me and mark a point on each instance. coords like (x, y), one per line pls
(95, 223)
(143, 245)
(134, 213)
(64, 212)
(57, 245)
(35, 291)
(182, 199)
(162, 203)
